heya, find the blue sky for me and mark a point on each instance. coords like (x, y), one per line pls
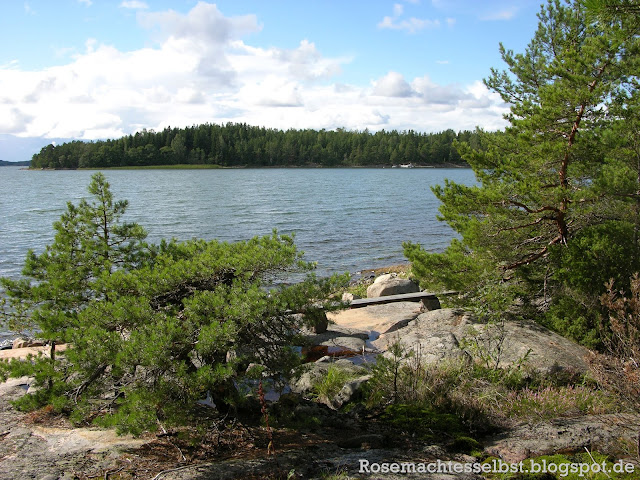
(91, 69)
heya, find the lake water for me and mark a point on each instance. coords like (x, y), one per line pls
(344, 219)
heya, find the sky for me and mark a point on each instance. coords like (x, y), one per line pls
(96, 69)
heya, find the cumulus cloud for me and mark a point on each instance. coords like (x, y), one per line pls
(392, 84)
(201, 69)
(204, 24)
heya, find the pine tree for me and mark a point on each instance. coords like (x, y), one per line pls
(538, 190)
(154, 329)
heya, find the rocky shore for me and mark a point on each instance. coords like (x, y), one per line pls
(41, 445)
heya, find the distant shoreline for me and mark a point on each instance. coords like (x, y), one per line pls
(5, 163)
(252, 167)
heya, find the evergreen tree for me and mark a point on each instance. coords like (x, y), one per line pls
(540, 204)
(154, 329)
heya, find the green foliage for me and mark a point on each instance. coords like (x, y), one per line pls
(556, 206)
(392, 379)
(597, 254)
(464, 444)
(243, 145)
(481, 396)
(154, 329)
(425, 423)
(552, 402)
(566, 466)
(328, 386)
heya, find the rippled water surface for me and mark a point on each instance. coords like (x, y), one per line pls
(345, 219)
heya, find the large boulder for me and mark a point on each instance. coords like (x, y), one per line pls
(390, 284)
(349, 297)
(451, 334)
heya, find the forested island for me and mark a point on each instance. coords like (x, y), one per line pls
(242, 145)
(4, 163)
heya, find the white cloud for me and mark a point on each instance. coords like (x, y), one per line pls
(60, 52)
(28, 9)
(88, 3)
(411, 25)
(134, 4)
(392, 84)
(201, 70)
(204, 23)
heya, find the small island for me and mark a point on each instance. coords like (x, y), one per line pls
(236, 145)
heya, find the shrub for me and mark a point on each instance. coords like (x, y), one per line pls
(482, 397)
(329, 385)
(155, 328)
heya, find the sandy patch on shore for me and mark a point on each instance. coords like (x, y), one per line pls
(22, 353)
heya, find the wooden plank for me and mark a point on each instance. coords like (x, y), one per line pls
(404, 297)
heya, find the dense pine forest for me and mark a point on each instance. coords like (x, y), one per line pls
(239, 144)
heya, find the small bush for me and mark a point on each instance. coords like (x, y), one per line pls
(424, 423)
(482, 397)
(327, 387)
(619, 370)
(552, 402)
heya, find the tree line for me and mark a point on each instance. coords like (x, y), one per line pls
(239, 144)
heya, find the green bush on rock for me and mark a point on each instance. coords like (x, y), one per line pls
(155, 328)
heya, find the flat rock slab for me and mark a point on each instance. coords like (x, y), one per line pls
(318, 463)
(378, 318)
(340, 338)
(48, 453)
(64, 441)
(602, 433)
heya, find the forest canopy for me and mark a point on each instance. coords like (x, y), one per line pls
(239, 144)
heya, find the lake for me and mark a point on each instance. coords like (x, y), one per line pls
(344, 219)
